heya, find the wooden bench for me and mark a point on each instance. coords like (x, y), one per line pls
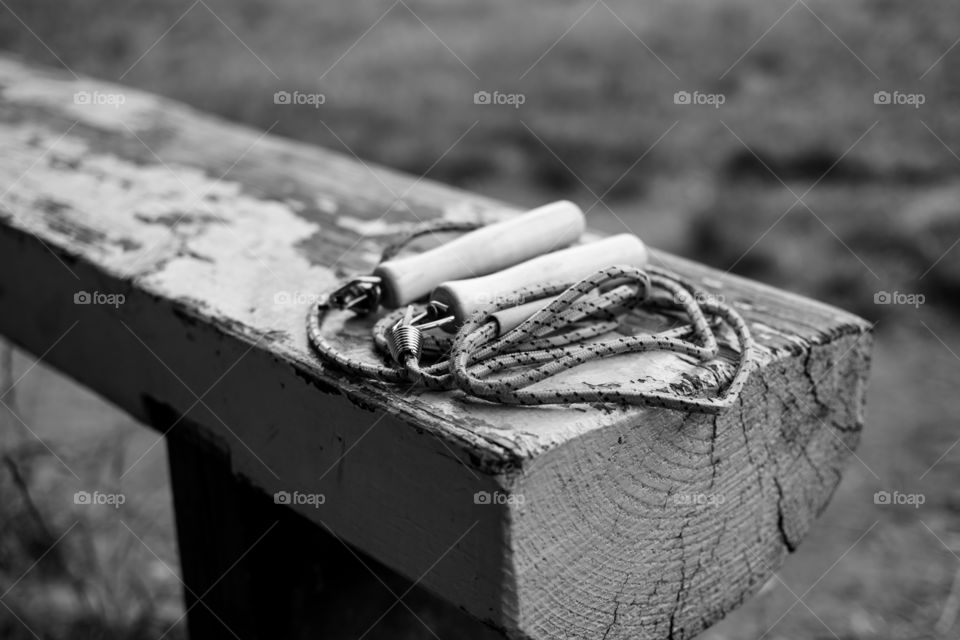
(543, 523)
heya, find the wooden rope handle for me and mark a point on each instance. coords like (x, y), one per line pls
(486, 250)
(464, 297)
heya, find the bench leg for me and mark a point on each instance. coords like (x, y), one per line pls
(254, 570)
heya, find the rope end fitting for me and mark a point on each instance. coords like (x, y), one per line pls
(405, 339)
(361, 295)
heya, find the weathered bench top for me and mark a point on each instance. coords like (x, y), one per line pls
(626, 522)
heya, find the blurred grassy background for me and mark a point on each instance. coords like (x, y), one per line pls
(598, 121)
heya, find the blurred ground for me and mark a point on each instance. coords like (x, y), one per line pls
(799, 179)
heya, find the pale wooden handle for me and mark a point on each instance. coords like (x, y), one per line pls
(511, 317)
(480, 252)
(561, 267)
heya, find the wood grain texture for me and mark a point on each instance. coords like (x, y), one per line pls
(624, 522)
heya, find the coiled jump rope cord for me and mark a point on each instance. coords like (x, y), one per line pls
(579, 326)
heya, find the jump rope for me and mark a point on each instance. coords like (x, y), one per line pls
(536, 312)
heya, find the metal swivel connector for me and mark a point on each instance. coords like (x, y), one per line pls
(406, 341)
(406, 337)
(361, 295)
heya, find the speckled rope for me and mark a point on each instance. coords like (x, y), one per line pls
(561, 336)
(472, 346)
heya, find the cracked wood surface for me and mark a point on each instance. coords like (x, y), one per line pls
(625, 522)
